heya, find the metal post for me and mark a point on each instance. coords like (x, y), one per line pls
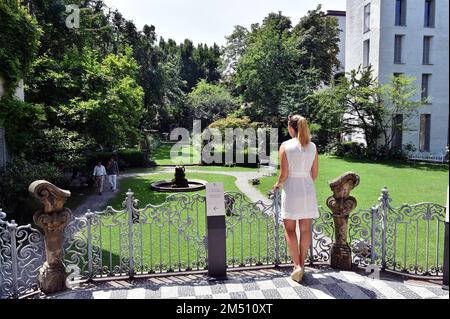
(372, 268)
(89, 242)
(130, 209)
(216, 230)
(217, 263)
(373, 235)
(445, 281)
(384, 202)
(277, 226)
(445, 266)
(12, 227)
(311, 247)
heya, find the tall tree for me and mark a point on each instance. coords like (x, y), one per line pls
(359, 102)
(318, 36)
(267, 67)
(233, 51)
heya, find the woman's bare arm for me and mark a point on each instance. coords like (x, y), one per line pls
(284, 168)
(315, 167)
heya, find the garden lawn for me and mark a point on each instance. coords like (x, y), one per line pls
(178, 248)
(407, 183)
(161, 156)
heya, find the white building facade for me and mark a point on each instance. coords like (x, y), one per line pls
(407, 37)
(340, 16)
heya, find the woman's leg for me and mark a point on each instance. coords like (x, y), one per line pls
(115, 182)
(292, 241)
(305, 240)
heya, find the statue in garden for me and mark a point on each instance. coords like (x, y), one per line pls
(341, 205)
(180, 180)
(52, 220)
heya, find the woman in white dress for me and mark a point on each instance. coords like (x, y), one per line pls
(299, 166)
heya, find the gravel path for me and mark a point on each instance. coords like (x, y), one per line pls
(98, 203)
(242, 182)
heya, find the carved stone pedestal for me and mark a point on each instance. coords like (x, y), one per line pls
(52, 220)
(341, 257)
(52, 279)
(341, 204)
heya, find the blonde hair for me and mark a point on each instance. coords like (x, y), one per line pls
(304, 135)
(301, 127)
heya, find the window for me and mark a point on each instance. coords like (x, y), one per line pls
(367, 18)
(426, 49)
(398, 48)
(429, 13)
(366, 53)
(397, 128)
(426, 86)
(398, 74)
(424, 138)
(400, 12)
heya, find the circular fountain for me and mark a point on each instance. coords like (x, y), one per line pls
(179, 184)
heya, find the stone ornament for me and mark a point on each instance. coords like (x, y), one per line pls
(180, 180)
(341, 205)
(52, 220)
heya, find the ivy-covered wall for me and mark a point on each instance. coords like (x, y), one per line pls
(19, 41)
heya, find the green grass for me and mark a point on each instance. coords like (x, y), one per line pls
(407, 183)
(141, 187)
(161, 156)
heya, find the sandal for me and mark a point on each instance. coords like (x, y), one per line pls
(297, 275)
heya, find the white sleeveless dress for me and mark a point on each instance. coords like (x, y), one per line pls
(298, 197)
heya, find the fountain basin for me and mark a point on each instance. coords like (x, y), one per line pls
(166, 186)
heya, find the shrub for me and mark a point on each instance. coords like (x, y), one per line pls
(132, 159)
(14, 183)
(126, 159)
(61, 147)
(350, 150)
(235, 122)
(397, 154)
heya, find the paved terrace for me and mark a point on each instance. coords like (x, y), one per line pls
(324, 283)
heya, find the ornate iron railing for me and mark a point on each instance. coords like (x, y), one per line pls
(172, 237)
(21, 256)
(410, 235)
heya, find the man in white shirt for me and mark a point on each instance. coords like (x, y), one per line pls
(99, 175)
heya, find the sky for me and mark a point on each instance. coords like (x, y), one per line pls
(209, 21)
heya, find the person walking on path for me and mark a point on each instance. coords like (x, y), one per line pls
(299, 167)
(113, 172)
(99, 175)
